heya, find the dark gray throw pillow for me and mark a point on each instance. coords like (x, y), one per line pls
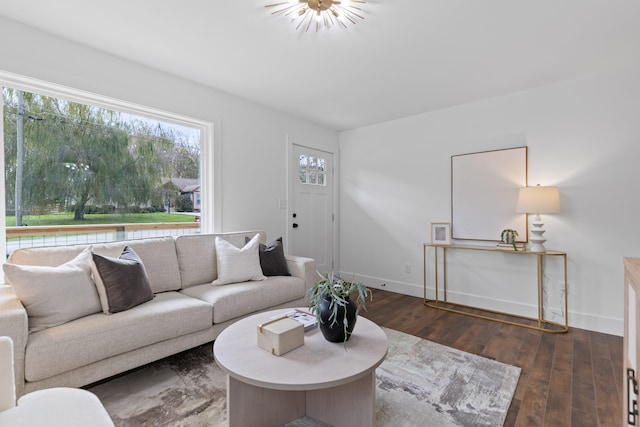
(125, 280)
(272, 259)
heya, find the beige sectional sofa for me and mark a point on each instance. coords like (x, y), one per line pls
(186, 310)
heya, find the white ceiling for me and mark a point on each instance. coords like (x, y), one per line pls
(406, 57)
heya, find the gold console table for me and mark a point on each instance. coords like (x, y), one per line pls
(539, 324)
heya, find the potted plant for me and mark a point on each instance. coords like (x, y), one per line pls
(508, 236)
(329, 300)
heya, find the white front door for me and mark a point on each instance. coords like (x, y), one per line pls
(311, 213)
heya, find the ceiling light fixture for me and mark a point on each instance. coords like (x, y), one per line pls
(326, 12)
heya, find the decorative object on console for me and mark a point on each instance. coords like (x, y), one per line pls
(508, 239)
(440, 233)
(508, 236)
(336, 312)
(327, 12)
(538, 200)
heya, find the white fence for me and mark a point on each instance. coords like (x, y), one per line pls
(29, 237)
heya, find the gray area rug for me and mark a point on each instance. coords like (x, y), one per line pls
(420, 383)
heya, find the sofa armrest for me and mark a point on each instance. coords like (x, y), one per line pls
(304, 268)
(7, 378)
(14, 324)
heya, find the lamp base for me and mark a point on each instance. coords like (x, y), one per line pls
(537, 247)
(536, 238)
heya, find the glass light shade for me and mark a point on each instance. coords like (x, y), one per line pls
(538, 200)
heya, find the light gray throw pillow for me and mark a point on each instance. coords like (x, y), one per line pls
(55, 295)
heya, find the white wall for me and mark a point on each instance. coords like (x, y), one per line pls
(251, 140)
(582, 135)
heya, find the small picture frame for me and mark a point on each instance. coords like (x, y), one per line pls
(440, 233)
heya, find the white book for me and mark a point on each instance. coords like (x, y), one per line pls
(307, 319)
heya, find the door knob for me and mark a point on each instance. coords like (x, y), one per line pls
(295, 225)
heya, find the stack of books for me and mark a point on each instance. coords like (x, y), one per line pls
(307, 319)
(511, 246)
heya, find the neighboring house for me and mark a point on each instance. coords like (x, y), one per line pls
(193, 191)
(184, 186)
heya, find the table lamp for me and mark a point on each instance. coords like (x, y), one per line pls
(538, 200)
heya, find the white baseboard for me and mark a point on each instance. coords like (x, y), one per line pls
(605, 325)
(387, 285)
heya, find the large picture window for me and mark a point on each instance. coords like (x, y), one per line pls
(76, 172)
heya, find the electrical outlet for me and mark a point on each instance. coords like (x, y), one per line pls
(407, 268)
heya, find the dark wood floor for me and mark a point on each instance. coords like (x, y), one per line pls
(571, 379)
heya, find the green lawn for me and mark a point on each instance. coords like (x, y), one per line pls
(67, 219)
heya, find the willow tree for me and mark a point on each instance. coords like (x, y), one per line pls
(79, 155)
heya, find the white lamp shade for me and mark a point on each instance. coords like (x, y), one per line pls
(538, 200)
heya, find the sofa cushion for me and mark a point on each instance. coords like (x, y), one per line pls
(272, 259)
(197, 255)
(238, 299)
(196, 258)
(158, 256)
(51, 255)
(237, 264)
(55, 295)
(122, 282)
(100, 336)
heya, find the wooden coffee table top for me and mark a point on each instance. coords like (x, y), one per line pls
(315, 365)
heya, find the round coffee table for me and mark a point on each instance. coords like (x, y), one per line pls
(320, 379)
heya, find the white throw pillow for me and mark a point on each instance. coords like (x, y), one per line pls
(55, 295)
(238, 265)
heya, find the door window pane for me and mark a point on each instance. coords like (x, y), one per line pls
(312, 170)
